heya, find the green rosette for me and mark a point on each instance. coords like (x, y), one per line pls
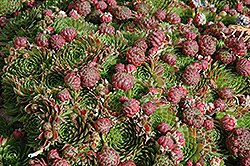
(53, 80)
(191, 147)
(124, 138)
(14, 153)
(32, 124)
(89, 102)
(164, 160)
(42, 121)
(25, 63)
(163, 113)
(86, 156)
(9, 96)
(9, 7)
(111, 102)
(143, 74)
(139, 89)
(5, 129)
(146, 156)
(73, 128)
(223, 77)
(26, 89)
(216, 139)
(73, 56)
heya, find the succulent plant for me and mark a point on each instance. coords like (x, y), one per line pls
(238, 142)
(10, 7)
(207, 45)
(173, 18)
(68, 33)
(123, 81)
(193, 117)
(108, 156)
(135, 56)
(157, 38)
(242, 67)
(142, 8)
(89, 76)
(83, 8)
(57, 42)
(190, 48)
(42, 40)
(160, 14)
(20, 42)
(122, 13)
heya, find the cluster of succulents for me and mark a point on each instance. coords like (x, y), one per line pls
(116, 83)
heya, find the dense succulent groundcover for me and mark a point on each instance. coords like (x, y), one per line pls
(115, 83)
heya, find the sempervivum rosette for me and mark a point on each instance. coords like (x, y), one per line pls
(147, 155)
(176, 93)
(243, 67)
(190, 147)
(20, 42)
(89, 104)
(123, 137)
(135, 56)
(53, 80)
(193, 117)
(228, 122)
(10, 7)
(83, 8)
(102, 125)
(72, 80)
(141, 44)
(225, 56)
(24, 88)
(238, 142)
(142, 8)
(13, 152)
(190, 48)
(57, 41)
(89, 76)
(207, 45)
(131, 107)
(225, 93)
(173, 18)
(108, 156)
(123, 81)
(191, 76)
(73, 129)
(41, 122)
(170, 58)
(156, 38)
(122, 13)
(80, 154)
(68, 33)
(28, 63)
(42, 40)
(160, 14)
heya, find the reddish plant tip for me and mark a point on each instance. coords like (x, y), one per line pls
(130, 107)
(163, 127)
(102, 125)
(148, 108)
(57, 42)
(18, 134)
(20, 42)
(68, 33)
